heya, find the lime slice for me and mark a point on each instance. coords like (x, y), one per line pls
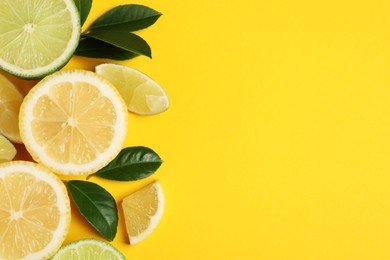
(37, 37)
(88, 248)
(142, 95)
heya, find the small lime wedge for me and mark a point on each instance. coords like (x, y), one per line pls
(142, 95)
(7, 150)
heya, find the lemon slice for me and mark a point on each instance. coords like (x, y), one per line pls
(34, 211)
(10, 100)
(142, 95)
(143, 210)
(37, 37)
(88, 248)
(73, 122)
(7, 150)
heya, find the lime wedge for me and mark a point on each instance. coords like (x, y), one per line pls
(88, 248)
(7, 150)
(142, 95)
(37, 37)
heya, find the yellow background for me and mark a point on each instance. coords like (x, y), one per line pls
(277, 141)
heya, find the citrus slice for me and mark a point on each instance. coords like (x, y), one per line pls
(37, 37)
(143, 210)
(34, 211)
(10, 100)
(142, 95)
(73, 122)
(88, 248)
(7, 150)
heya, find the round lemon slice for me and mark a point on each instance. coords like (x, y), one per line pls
(142, 95)
(34, 211)
(73, 122)
(37, 37)
(143, 210)
(88, 248)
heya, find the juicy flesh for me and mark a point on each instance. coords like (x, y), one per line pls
(73, 122)
(28, 218)
(33, 33)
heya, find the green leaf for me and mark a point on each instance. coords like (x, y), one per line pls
(122, 39)
(93, 48)
(132, 163)
(129, 17)
(84, 7)
(96, 205)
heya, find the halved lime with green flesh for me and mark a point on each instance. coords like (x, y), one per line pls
(88, 248)
(37, 37)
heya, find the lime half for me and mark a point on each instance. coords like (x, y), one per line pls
(37, 37)
(88, 249)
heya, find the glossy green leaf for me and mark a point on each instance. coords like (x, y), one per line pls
(129, 18)
(84, 7)
(122, 39)
(93, 48)
(96, 205)
(132, 163)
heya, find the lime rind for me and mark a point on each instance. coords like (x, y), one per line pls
(27, 40)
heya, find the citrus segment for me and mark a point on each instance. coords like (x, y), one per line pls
(143, 210)
(10, 100)
(142, 95)
(88, 248)
(37, 37)
(7, 150)
(34, 211)
(73, 122)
